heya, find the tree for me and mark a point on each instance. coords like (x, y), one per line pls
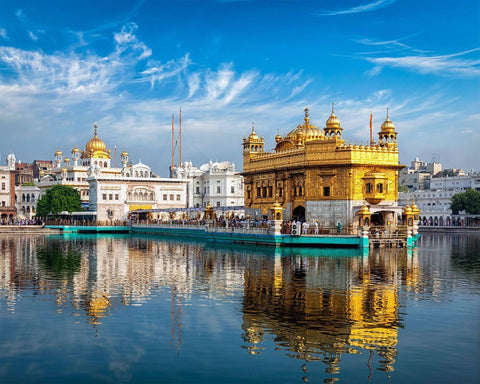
(468, 201)
(403, 188)
(57, 199)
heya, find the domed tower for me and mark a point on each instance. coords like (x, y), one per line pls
(58, 158)
(332, 126)
(11, 160)
(253, 144)
(387, 135)
(96, 149)
(75, 156)
(124, 158)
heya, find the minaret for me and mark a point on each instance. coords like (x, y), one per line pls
(58, 158)
(253, 144)
(75, 156)
(124, 159)
(332, 126)
(387, 136)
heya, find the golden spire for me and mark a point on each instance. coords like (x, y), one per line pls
(95, 126)
(307, 118)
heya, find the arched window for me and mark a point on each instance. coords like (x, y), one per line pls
(151, 195)
(368, 188)
(379, 188)
(105, 164)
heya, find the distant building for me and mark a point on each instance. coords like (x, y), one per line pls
(23, 173)
(215, 183)
(434, 203)
(418, 175)
(8, 211)
(44, 166)
(26, 197)
(110, 193)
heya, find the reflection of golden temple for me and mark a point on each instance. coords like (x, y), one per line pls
(319, 312)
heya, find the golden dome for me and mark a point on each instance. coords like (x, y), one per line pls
(75, 150)
(305, 130)
(42, 172)
(363, 210)
(64, 169)
(58, 153)
(124, 153)
(67, 160)
(407, 209)
(333, 121)
(253, 136)
(387, 124)
(278, 138)
(95, 144)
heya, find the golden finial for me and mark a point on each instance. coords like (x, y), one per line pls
(307, 118)
(333, 108)
(95, 126)
(253, 127)
(387, 112)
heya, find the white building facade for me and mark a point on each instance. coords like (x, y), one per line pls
(217, 184)
(434, 203)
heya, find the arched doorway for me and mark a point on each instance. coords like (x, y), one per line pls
(377, 219)
(299, 213)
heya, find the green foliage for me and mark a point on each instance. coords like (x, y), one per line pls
(28, 184)
(402, 188)
(59, 258)
(468, 201)
(57, 199)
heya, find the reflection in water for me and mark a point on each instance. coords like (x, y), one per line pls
(321, 308)
(316, 305)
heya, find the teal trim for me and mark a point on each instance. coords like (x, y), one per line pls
(90, 229)
(255, 239)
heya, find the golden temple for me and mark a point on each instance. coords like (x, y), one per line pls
(315, 175)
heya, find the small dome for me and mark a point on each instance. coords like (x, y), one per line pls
(124, 153)
(388, 125)
(278, 138)
(95, 144)
(64, 169)
(363, 210)
(75, 150)
(407, 209)
(333, 121)
(58, 153)
(42, 172)
(67, 160)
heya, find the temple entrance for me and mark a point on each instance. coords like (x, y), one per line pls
(377, 219)
(299, 213)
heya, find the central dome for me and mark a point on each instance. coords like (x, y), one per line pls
(95, 144)
(310, 132)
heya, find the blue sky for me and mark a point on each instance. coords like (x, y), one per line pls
(129, 65)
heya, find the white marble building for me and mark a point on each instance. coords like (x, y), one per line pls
(215, 183)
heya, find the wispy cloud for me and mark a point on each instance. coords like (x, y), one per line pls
(372, 6)
(457, 64)
(3, 33)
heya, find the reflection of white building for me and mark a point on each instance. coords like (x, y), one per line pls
(214, 183)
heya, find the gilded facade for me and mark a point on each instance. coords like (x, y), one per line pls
(315, 175)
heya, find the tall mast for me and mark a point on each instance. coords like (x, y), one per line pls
(371, 128)
(180, 161)
(115, 155)
(173, 147)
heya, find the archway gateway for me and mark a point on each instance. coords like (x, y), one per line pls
(299, 213)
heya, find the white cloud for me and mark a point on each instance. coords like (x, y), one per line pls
(372, 6)
(32, 36)
(444, 65)
(3, 33)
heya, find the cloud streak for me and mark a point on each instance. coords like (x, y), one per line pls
(372, 6)
(457, 64)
